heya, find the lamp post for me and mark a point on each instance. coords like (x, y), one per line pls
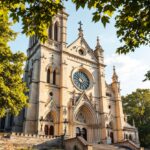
(41, 123)
(65, 123)
(65, 130)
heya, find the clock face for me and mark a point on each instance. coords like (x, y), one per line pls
(81, 80)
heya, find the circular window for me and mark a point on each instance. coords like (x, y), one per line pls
(81, 52)
(81, 80)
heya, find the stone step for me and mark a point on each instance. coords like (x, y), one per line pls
(106, 147)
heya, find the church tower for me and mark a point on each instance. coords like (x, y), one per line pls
(44, 72)
(102, 90)
(118, 108)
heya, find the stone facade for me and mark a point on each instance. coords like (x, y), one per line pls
(68, 93)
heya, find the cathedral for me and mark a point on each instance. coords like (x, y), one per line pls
(68, 93)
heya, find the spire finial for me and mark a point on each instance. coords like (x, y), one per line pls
(114, 69)
(80, 25)
(115, 77)
(80, 29)
(98, 44)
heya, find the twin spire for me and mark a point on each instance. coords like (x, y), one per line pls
(97, 48)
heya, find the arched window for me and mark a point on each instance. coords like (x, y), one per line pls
(130, 137)
(50, 32)
(48, 76)
(112, 137)
(54, 77)
(2, 123)
(51, 130)
(56, 31)
(84, 133)
(78, 132)
(46, 129)
(11, 121)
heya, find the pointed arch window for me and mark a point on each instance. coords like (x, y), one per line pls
(48, 75)
(46, 129)
(50, 32)
(56, 31)
(51, 132)
(54, 77)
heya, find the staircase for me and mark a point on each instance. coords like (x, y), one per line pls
(106, 147)
(80, 143)
(55, 144)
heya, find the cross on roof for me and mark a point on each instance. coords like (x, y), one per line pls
(80, 23)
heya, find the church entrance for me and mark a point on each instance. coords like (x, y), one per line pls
(84, 122)
(2, 124)
(46, 129)
(78, 132)
(81, 132)
(84, 133)
(49, 125)
(51, 130)
(112, 137)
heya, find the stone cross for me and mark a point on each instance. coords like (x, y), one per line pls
(80, 23)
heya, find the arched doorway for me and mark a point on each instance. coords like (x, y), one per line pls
(51, 132)
(85, 119)
(2, 124)
(84, 133)
(112, 137)
(46, 129)
(78, 132)
(130, 137)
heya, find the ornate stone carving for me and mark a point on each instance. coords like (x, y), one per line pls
(81, 118)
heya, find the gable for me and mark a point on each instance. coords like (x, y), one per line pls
(81, 99)
(81, 49)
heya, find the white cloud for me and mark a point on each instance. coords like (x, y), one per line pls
(130, 71)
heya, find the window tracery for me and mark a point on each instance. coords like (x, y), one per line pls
(81, 118)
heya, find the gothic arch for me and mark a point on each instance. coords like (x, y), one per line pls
(52, 67)
(48, 74)
(49, 66)
(50, 31)
(53, 113)
(88, 111)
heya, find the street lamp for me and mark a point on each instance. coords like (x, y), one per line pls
(65, 123)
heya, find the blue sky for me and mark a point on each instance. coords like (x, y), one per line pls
(130, 68)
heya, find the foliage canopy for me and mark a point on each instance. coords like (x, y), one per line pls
(132, 19)
(12, 89)
(137, 106)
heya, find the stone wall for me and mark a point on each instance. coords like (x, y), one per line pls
(27, 141)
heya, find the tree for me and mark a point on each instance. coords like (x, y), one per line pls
(132, 23)
(12, 88)
(137, 106)
(132, 19)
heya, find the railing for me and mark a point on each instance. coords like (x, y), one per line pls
(130, 144)
(19, 134)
